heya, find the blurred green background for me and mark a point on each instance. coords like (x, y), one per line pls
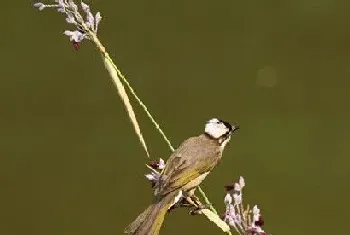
(70, 163)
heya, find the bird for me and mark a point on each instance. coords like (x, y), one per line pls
(184, 171)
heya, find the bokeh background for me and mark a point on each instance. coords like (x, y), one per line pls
(70, 163)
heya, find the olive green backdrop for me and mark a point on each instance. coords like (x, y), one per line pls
(70, 163)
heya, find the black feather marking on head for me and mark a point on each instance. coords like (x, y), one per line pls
(228, 125)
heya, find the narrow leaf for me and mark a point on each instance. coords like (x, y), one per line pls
(123, 95)
(216, 219)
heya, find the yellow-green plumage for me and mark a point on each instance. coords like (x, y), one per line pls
(194, 157)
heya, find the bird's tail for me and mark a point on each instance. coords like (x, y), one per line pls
(150, 221)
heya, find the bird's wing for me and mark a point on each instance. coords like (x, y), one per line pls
(188, 162)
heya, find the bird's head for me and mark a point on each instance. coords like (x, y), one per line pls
(220, 130)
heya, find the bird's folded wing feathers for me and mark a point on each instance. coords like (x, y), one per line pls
(186, 164)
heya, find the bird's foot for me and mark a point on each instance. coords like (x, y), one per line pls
(182, 203)
(198, 210)
(191, 202)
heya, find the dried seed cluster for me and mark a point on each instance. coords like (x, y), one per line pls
(243, 220)
(85, 27)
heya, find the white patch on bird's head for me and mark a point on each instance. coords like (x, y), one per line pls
(220, 130)
(217, 128)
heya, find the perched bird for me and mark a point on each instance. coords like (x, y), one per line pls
(186, 168)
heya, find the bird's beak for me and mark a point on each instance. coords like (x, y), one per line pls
(234, 128)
